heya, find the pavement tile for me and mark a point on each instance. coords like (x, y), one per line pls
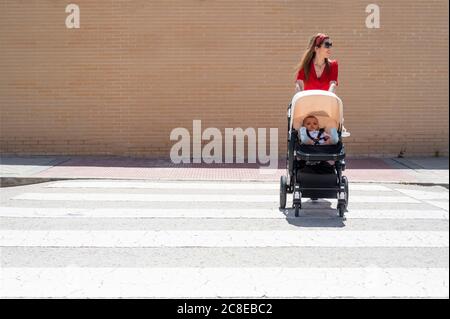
(358, 169)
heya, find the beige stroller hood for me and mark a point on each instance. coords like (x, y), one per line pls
(324, 105)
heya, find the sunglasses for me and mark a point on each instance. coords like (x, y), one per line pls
(327, 44)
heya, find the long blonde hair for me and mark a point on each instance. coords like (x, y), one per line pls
(309, 54)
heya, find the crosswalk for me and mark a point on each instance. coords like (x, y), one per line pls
(117, 238)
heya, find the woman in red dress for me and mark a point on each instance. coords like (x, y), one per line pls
(315, 70)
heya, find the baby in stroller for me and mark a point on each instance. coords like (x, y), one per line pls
(312, 135)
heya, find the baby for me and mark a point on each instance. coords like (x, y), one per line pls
(311, 134)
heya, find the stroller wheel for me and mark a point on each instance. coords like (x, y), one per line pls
(341, 209)
(297, 210)
(283, 188)
(345, 182)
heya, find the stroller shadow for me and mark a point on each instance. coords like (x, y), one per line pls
(317, 213)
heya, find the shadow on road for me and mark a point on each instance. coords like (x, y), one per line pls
(315, 214)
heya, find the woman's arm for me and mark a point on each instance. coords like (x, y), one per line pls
(334, 76)
(299, 85)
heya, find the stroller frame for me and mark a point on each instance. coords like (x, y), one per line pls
(302, 162)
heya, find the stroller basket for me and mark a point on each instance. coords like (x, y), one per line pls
(321, 152)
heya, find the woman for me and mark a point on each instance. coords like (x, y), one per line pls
(315, 70)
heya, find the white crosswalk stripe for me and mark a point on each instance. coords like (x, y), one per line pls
(209, 282)
(63, 219)
(218, 213)
(191, 185)
(211, 198)
(420, 194)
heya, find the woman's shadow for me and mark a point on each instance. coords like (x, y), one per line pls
(318, 213)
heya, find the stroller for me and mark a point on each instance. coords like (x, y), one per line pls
(309, 174)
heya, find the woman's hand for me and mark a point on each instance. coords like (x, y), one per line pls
(299, 86)
(332, 87)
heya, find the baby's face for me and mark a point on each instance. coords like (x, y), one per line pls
(311, 124)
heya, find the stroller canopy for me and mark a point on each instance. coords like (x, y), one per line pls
(324, 105)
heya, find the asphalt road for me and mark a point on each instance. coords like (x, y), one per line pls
(97, 238)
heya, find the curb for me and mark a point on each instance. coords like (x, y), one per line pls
(22, 181)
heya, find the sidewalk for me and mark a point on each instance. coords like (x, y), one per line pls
(22, 170)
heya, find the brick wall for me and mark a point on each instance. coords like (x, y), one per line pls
(137, 69)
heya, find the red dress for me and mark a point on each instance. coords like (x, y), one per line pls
(322, 83)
